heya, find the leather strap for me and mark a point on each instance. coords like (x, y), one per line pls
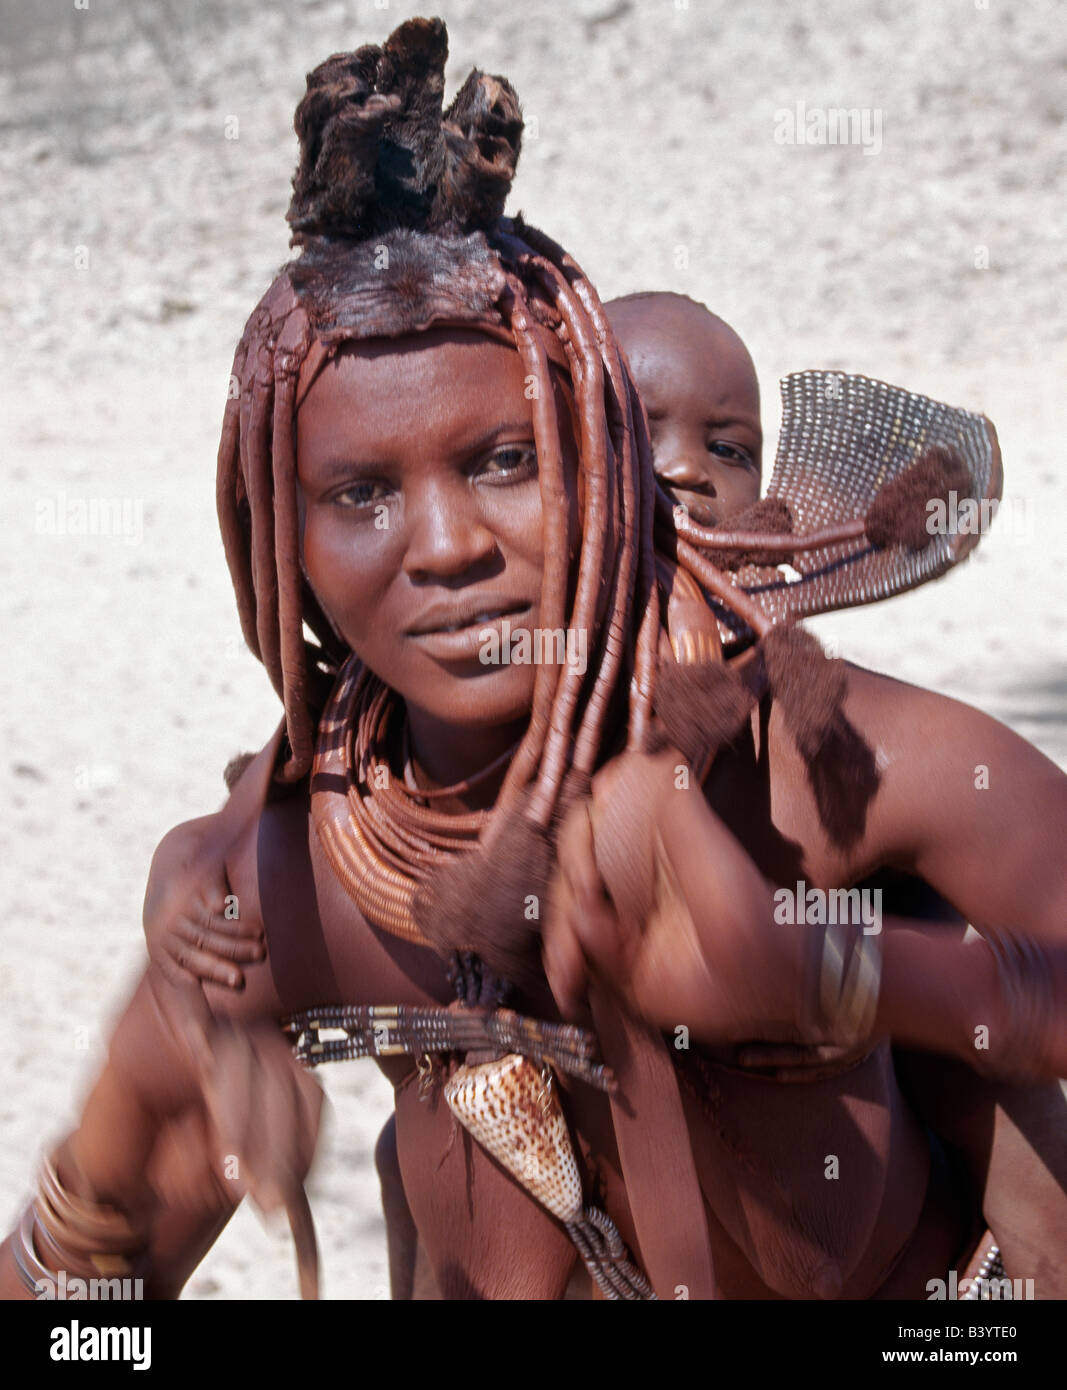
(666, 1202)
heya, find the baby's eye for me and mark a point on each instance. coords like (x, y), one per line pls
(513, 462)
(731, 452)
(362, 494)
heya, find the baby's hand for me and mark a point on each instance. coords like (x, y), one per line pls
(192, 917)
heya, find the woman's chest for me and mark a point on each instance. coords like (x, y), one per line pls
(321, 949)
(775, 1221)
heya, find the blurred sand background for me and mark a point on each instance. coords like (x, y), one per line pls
(145, 157)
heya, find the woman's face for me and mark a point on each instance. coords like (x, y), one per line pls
(421, 515)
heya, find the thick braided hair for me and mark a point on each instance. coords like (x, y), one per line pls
(397, 210)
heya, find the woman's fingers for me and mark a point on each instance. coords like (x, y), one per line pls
(583, 930)
(576, 856)
(576, 889)
(215, 912)
(200, 952)
(603, 940)
(565, 965)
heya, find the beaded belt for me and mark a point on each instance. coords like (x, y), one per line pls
(388, 1030)
(508, 1105)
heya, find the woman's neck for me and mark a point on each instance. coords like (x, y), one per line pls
(442, 755)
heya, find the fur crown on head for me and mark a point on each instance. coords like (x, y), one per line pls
(379, 153)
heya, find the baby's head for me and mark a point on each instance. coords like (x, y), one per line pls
(699, 388)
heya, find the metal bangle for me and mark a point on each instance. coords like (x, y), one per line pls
(849, 982)
(1026, 995)
(859, 996)
(32, 1270)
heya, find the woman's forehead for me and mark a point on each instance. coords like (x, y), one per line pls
(444, 358)
(465, 368)
(447, 383)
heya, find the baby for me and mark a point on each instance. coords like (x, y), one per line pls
(700, 392)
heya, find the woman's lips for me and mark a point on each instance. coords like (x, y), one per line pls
(466, 643)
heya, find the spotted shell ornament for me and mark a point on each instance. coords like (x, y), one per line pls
(511, 1108)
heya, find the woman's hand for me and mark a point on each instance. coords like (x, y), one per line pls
(263, 1112)
(655, 896)
(192, 917)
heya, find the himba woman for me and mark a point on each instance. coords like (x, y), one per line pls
(524, 887)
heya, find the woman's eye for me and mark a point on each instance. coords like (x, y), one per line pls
(513, 462)
(361, 494)
(731, 452)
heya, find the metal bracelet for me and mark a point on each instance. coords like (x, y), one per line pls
(1027, 998)
(850, 977)
(32, 1270)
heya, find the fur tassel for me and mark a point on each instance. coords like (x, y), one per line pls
(490, 900)
(899, 513)
(769, 514)
(810, 688)
(701, 709)
(806, 683)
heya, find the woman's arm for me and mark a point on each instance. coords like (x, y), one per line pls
(148, 1081)
(967, 806)
(656, 895)
(981, 816)
(191, 1112)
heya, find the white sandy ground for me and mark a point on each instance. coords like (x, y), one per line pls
(125, 687)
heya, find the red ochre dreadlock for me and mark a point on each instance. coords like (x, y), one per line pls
(398, 210)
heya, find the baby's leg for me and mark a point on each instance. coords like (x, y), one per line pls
(1014, 1139)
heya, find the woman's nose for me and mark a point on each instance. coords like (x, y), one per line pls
(447, 534)
(683, 471)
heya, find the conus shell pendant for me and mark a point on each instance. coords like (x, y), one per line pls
(514, 1113)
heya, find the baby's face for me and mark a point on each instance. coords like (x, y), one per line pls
(701, 394)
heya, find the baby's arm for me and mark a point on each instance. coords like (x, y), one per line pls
(192, 920)
(192, 917)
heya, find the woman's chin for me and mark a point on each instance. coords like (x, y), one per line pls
(480, 698)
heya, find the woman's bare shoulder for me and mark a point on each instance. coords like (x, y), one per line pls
(896, 773)
(902, 719)
(936, 758)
